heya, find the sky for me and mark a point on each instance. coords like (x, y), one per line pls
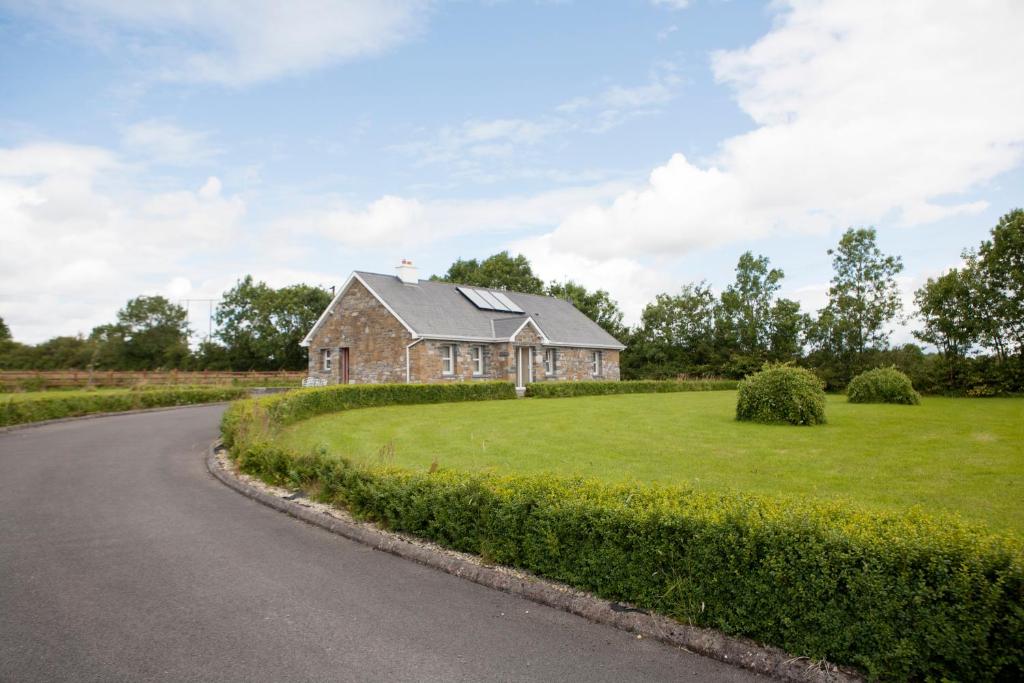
(171, 148)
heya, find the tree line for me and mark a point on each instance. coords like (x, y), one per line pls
(973, 316)
(258, 327)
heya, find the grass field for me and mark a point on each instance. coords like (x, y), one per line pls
(961, 456)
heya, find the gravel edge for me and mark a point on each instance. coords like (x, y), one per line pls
(740, 652)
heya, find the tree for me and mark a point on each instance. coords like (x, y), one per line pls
(675, 335)
(5, 332)
(500, 271)
(946, 307)
(261, 327)
(1000, 262)
(154, 333)
(863, 296)
(597, 305)
(746, 305)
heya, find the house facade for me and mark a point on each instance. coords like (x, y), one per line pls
(399, 329)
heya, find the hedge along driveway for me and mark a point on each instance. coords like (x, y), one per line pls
(16, 410)
(903, 596)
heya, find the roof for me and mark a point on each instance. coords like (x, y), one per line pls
(438, 310)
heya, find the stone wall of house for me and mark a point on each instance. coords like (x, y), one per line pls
(426, 364)
(375, 339)
(576, 364)
(376, 344)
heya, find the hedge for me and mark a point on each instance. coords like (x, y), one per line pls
(564, 389)
(781, 394)
(882, 385)
(904, 596)
(57, 406)
(279, 410)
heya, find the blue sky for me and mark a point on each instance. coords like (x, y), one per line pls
(173, 147)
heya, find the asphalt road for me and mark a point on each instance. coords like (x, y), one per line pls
(121, 558)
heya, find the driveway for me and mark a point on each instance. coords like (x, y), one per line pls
(121, 558)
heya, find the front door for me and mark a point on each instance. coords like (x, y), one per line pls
(343, 366)
(524, 365)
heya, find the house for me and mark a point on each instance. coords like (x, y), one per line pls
(388, 328)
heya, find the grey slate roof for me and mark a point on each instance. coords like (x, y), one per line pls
(437, 309)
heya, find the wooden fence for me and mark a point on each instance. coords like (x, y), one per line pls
(21, 380)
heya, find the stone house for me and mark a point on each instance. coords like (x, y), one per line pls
(387, 328)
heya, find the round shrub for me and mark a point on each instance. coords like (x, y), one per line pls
(782, 393)
(882, 385)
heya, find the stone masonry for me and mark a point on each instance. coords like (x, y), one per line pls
(376, 342)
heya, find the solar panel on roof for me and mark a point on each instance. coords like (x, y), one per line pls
(474, 297)
(492, 300)
(511, 305)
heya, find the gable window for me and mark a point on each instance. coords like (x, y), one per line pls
(325, 356)
(477, 355)
(549, 362)
(448, 359)
(595, 363)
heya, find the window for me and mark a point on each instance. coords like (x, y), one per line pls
(325, 355)
(595, 364)
(549, 362)
(477, 354)
(448, 359)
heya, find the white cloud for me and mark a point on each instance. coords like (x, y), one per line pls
(74, 244)
(865, 112)
(236, 42)
(165, 143)
(401, 221)
(475, 147)
(671, 4)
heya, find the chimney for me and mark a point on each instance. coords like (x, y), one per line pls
(407, 272)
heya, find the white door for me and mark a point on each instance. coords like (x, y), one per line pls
(524, 366)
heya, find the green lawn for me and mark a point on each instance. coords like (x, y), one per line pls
(955, 455)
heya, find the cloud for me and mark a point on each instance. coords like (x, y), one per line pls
(486, 150)
(76, 242)
(864, 112)
(239, 43)
(165, 143)
(393, 221)
(671, 4)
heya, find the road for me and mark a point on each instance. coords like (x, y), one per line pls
(122, 558)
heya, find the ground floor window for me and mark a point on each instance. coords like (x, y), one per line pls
(549, 362)
(595, 364)
(477, 355)
(325, 358)
(448, 359)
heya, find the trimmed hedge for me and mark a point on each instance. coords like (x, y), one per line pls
(904, 596)
(279, 410)
(588, 388)
(882, 385)
(782, 394)
(53, 407)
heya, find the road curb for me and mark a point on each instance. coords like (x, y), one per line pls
(92, 416)
(707, 642)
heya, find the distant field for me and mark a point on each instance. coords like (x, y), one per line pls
(961, 456)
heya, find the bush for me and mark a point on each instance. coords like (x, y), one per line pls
(782, 393)
(904, 597)
(882, 385)
(589, 388)
(14, 412)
